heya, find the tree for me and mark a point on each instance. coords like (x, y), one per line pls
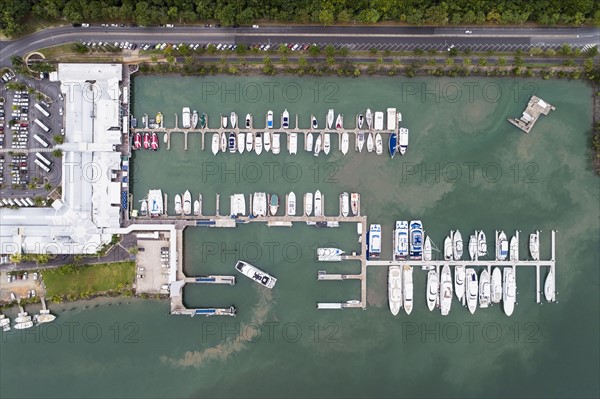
(330, 50)
(326, 17)
(57, 153)
(314, 50)
(59, 139)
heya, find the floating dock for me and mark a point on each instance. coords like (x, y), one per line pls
(535, 108)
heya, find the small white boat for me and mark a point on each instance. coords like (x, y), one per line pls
(496, 285)
(248, 121)
(402, 140)
(427, 250)
(326, 143)
(314, 124)
(249, 141)
(407, 288)
(369, 117)
(276, 144)
(432, 289)
(318, 203)
(330, 117)
(270, 119)
(481, 244)
(394, 289)
(509, 286)
(345, 143)
(194, 119)
(178, 207)
(215, 143)
(187, 203)
(196, 207)
(273, 204)
(285, 119)
(472, 289)
(472, 246)
(370, 142)
(223, 142)
(291, 204)
(345, 204)
(514, 249)
(534, 245)
(293, 143)
(378, 120)
(241, 142)
(329, 254)
(144, 208)
(308, 145)
(233, 118)
(360, 141)
(501, 246)
(549, 287)
(258, 144)
(446, 290)
(457, 245)
(484, 289)
(224, 121)
(354, 200)
(459, 282)
(448, 247)
(267, 141)
(318, 145)
(308, 204)
(339, 122)
(378, 144)
(359, 120)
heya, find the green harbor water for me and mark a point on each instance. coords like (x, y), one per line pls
(466, 168)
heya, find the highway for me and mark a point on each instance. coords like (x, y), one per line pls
(351, 37)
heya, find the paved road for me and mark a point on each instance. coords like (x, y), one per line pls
(352, 37)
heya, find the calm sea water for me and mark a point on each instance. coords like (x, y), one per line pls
(466, 168)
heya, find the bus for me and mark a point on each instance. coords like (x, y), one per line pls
(40, 124)
(42, 158)
(42, 166)
(42, 110)
(41, 140)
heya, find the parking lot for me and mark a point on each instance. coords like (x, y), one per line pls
(21, 285)
(152, 274)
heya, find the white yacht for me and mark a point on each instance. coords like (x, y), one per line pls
(187, 203)
(402, 140)
(448, 247)
(224, 121)
(178, 207)
(509, 286)
(407, 288)
(484, 289)
(267, 141)
(223, 142)
(427, 249)
(446, 290)
(459, 282)
(472, 288)
(472, 246)
(258, 144)
(318, 144)
(501, 246)
(329, 254)
(378, 120)
(270, 119)
(345, 204)
(249, 141)
(318, 204)
(457, 245)
(432, 289)
(259, 204)
(293, 143)
(241, 142)
(360, 141)
(254, 273)
(186, 121)
(370, 143)
(534, 245)
(378, 144)
(394, 289)
(330, 117)
(345, 143)
(233, 118)
(326, 143)
(514, 249)
(285, 119)
(215, 143)
(276, 144)
(197, 207)
(308, 145)
(369, 118)
(308, 204)
(496, 285)
(401, 240)
(549, 287)
(291, 204)
(391, 118)
(481, 244)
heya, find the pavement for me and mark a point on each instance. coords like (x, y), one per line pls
(152, 271)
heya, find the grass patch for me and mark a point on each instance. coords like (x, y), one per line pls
(87, 280)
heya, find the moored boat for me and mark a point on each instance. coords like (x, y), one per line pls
(259, 204)
(186, 121)
(314, 124)
(393, 144)
(509, 291)
(472, 246)
(194, 119)
(427, 249)
(291, 204)
(326, 143)
(432, 289)
(459, 282)
(448, 247)
(481, 244)
(407, 288)
(549, 291)
(232, 142)
(255, 274)
(514, 249)
(159, 118)
(391, 118)
(196, 207)
(354, 200)
(144, 208)
(360, 141)
(276, 143)
(154, 143)
(178, 207)
(416, 239)
(496, 285)
(187, 203)
(534, 245)
(359, 120)
(285, 119)
(501, 246)
(241, 142)
(374, 242)
(339, 123)
(258, 144)
(330, 117)
(378, 120)
(378, 144)
(402, 140)
(293, 143)
(370, 142)
(308, 204)
(401, 240)
(318, 203)
(484, 289)
(224, 121)
(267, 141)
(215, 143)
(308, 145)
(457, 245)
(369, 118)
(146, 140)
(248, 121)
(445, 290)
(137, 141)
(345, 143)
(345, 204)
(273, 204)
(329, 254)
(318, 144)
(471, 289)
(223, 142)
(233, 119)
(202, 121)
(270, 119)
(395, 289)
(249, 141)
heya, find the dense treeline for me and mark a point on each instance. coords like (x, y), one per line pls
(326, 12)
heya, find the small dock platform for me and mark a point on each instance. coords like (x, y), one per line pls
(535, 108)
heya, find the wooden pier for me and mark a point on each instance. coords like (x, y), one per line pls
(535, 108)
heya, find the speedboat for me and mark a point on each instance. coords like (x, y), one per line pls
(393, 144)
(159, 118)
(345, 143)
(273, 204)
(403, 140)
(259, 204)
(224, 121)
(369, 117)
(407, 285)
(241, 142)
(285, 119)
(194, 119)
(291, 204)
(472, 288)
(154, 143)
(309, 142)
(484, 289)
(345, 204)
(318, 204)
(326, 143)
(457, 245)
(329, 254)
(137, 141)
(197, 207)
(144, 208)
(318, 144)
(549, 287)
(472, 246)
(308, 204)
(233, 118)
(496, 285)
(258, 144)
(416, 239)
(427, 250)
(360, 141)
(187, 203)
(255, 274)
(370, 142)
(395, 289)
(314, 124)
(330, 116)
(202, 121)
(354, 200)
(448, 247)
(232, 143)
(459, 282)
(293, 143)
(359, 121)
(401, 240)
(249, 141)
(446, 290)
(374, 242)
(509, 290)
(378, 144)
(270, 119)
(514, 249)
(481, 244)
(432, 289)
(534, 245)
(178, 207)
(248, 121)
(276, 144)
(501, 246)
(339, 123)
(223, 142)
(146, 140)
(267, 141)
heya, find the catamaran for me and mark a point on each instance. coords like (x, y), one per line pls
(378, 144)
(407, 285)
(401, 240)
(259, 204)
(308, 203)
(446, 290)
(345, 143)
(432, 289)
(258, 144)
(330, 117)
(369, 117)
(309, 142)
(326, 143)
(394, 289)
(276, 144)
(374, 242)
(345, 204)
(484, 289)
(510, 289)
(416, 239)
(293, 143)
(255, 274)
(291, 204)
(285, 119)
(270, 119)
(496, 285)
